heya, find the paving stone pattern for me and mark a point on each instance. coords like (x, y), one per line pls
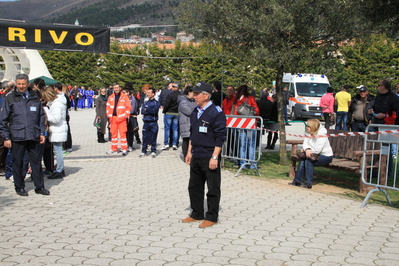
(116, 210)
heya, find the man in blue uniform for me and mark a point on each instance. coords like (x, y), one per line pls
(207, 135)
(149, 110)
(89, 97)
(22, 128)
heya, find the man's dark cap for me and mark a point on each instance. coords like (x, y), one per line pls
(362, 88)
(203, 86)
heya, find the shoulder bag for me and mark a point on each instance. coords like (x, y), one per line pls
(246, 109)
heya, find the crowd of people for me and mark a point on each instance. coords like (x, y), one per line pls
(34, 126)
(349, 114)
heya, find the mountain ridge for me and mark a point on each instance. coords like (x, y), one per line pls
(91, 12)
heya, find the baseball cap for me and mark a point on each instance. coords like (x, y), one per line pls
(362, 88)
(203, 86)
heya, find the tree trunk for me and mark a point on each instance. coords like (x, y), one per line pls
(280, 106)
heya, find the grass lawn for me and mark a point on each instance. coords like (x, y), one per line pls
(325, 180)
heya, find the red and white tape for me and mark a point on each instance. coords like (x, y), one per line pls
(347, 134)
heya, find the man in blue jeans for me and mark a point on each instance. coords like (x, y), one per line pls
(343, 101)
(171, 118)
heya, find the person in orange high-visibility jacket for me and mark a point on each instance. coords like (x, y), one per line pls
(118, 111)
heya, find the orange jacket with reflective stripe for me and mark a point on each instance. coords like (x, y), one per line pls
(122, 109)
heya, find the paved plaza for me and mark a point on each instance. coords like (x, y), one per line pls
(116, 210)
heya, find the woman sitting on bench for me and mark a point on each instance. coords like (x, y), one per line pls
(311, 147)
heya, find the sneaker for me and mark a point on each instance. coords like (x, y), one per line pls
(69, 150)
(174, 147)
(47, 172)
(153, 155)
(142, 155)
(165, 147)
(110, 152)
(9, 178)
(2, 173)
(131, 149)
(124, 153)
(293, 183)
(55, 175)
(65, 153)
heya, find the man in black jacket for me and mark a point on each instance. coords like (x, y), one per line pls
(171, 118)
(384, 104)
(22, 127)
(217, 96)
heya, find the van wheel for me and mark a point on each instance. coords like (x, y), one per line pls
(293, 115)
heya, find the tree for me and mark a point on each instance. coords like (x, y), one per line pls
(72, 67)
(370, 60)
(277, 33)
(383, 14)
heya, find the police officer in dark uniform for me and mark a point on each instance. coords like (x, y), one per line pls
(207, 135)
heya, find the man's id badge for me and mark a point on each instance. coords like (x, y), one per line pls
(33, 108)
(203, 129)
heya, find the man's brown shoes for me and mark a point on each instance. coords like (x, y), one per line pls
(190, 220)
(206, 224)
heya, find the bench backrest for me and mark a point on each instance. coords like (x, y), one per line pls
(345, 146)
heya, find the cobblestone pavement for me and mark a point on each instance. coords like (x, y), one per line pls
(115, 210)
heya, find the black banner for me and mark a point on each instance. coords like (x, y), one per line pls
(40, 36)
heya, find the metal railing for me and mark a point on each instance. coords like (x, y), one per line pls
(244, 141)
(380, 168)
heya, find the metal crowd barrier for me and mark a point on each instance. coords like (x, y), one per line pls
(244, 141)
(380, 167)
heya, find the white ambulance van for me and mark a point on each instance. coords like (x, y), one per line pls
(305, 91)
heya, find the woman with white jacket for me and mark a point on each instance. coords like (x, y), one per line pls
(312, 145)
(56, 117)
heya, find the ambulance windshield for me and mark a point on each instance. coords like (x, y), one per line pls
(311, 89)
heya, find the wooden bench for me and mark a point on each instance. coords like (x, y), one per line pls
(348, 155)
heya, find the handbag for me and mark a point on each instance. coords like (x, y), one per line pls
(332, 119)
(302, 156)
(314, 157)
(97, 122)
(246, 109)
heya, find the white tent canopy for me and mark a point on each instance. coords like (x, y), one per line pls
(15, 61)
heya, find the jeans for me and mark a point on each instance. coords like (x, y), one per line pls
(285, 113)
(9, 160)
(342, 119)
(359, 127)
(171, 122)
(60, 157)
(247, 146)
(306, 168)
